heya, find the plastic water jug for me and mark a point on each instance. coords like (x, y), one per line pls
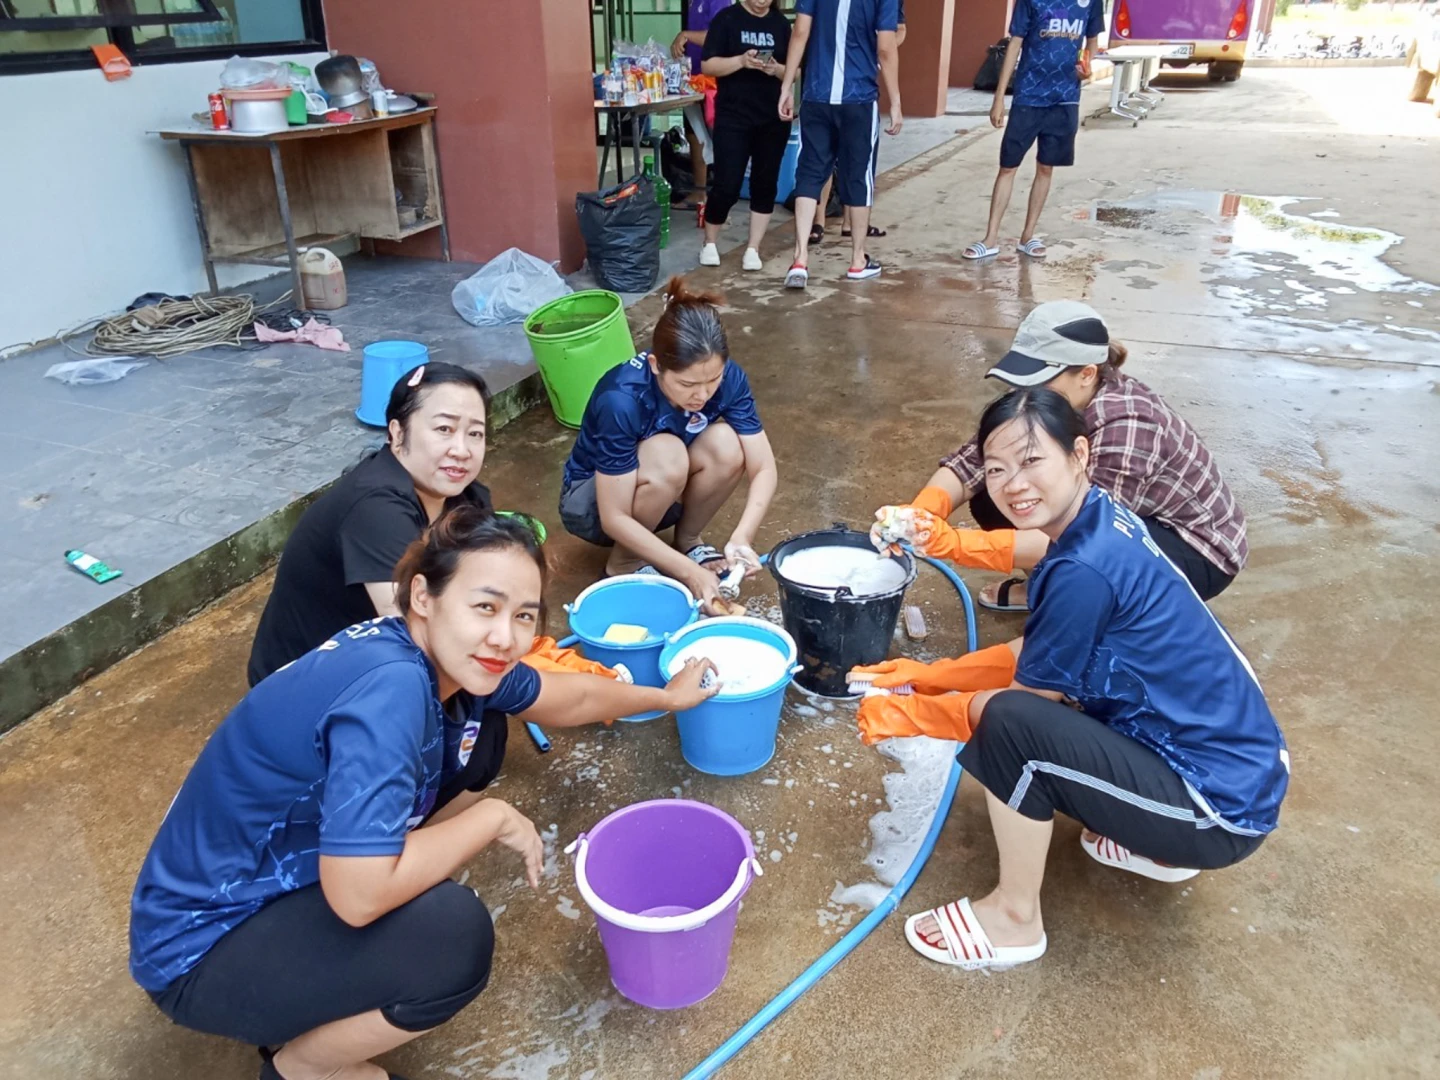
(322, 280)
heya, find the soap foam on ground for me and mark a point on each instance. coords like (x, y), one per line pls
(914, 795)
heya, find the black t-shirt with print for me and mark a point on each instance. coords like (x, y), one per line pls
(353, 534)
(747, 95)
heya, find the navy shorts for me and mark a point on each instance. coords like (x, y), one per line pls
(1052, 126)
(839, 139)
(580, 513)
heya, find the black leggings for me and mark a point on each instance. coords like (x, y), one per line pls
(1207, 579)
(295, 964)
(1039, 757)
(762, 144)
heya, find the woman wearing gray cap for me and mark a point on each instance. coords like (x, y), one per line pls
(1142, 452)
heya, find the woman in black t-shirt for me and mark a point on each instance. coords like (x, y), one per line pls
(745, 50)
(337, 566)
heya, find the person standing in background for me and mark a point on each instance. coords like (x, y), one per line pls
(1045, 40)
(690, 43)
(745, 50)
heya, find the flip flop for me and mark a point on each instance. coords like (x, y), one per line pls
(798, 277)
(871, 233)
(704, 555)
(643, 568)
(966, 943)
(1002, 597)
(869, 270)
(1034, 247)
(1108, 853)
(817, 233)
(269, 1072)
(978, 250)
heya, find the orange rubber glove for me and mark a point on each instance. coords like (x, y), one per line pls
(992, 668)
(888, 716)
(546, 655)
(934, 499)
(980, 549)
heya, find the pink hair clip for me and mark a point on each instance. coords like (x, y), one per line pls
(415, 378)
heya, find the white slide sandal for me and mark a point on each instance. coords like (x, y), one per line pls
(966, 943)
(1105, 851)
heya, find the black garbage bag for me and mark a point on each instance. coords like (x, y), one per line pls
(621, 227)
(675, 165)
(833, 208)
(988, 77)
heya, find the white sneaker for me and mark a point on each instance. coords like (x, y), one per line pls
(709, 255)
(752, 260)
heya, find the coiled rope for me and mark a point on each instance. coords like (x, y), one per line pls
(173, 327)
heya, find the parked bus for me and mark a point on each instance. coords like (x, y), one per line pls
(1212, 32)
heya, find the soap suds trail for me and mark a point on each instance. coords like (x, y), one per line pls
(914, 795)
(742, 665)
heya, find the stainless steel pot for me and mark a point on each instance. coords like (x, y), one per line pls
(339, 77)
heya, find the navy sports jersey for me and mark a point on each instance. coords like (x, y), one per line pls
(1115, 627)
(627, 408)
(341, 753)
(842, 60)
(1054, 32)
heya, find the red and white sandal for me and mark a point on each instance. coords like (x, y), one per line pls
(1105, 851)
(966, 943)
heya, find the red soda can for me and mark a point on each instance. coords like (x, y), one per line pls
(218, 118)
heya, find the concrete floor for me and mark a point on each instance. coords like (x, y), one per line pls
(1307, 356)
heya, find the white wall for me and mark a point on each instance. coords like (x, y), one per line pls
(96, 210)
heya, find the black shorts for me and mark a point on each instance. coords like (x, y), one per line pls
(294, 964)
(1207, 579)
(1040, 757)
(580, 513)
(839, 139)
(1052, 126)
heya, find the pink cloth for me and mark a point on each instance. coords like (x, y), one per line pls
(312, 333)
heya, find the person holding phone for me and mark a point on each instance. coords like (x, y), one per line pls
(745, 50)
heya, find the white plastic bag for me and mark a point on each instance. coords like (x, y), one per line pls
(88, 372)
(242, 73)
(506, 289)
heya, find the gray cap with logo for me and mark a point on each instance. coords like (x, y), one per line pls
(1057, 335)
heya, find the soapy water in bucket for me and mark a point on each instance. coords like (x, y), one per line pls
(866, 573)
(742, 664)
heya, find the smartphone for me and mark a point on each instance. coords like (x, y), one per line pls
(764, 55)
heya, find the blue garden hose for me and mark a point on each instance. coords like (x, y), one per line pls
(842, 948)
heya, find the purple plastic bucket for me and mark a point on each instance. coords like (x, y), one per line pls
(664, 879)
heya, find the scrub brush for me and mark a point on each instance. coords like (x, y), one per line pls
(863, 682)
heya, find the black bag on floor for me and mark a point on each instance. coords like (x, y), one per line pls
(833, 208)
(988, 77)
(621, 227)
(675, 165)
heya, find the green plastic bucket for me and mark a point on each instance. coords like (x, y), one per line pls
(576, 339)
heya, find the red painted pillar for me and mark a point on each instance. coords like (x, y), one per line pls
(925, 56)
(516, 122)
(978, 24)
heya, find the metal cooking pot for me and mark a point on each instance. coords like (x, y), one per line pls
(339, 77)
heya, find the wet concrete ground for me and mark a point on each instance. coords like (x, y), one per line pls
(1314, 958)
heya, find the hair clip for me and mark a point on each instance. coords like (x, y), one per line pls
(416, 376)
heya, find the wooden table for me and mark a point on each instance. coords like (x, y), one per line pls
(261, 199)
(618, 114)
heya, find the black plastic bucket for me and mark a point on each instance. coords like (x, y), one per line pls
(834, 630)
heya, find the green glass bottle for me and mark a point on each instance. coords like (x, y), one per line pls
(662, 196)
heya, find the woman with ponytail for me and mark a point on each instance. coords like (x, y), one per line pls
(664, 443)
(1141, 451)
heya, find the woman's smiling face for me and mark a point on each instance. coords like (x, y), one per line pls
(442, 445)
(1032, 479)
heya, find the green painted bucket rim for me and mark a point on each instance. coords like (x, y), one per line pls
(544, 310)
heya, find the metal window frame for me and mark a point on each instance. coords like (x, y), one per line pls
(114, 13)
(123, 37)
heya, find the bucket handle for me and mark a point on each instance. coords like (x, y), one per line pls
(658, 924)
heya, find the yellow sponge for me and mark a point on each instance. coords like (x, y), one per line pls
(626, 634)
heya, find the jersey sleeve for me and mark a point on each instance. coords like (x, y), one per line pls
(374, 534)
(517, 691)
(805, 7)
(738, 403)
(615, 433)
(370, 743)
(1022, 20)
(1095, 24)
(782, 40)
(717, 38)
(1070, 606)
(887, 15)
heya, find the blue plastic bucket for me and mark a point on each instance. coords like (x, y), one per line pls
(660, 604)
(384, 363)
(787, 169)
(733, 733)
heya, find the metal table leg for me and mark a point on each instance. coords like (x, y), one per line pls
(199, 217)
(278, 168)
(635, 141)
(609, 117)
(1151, 97)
